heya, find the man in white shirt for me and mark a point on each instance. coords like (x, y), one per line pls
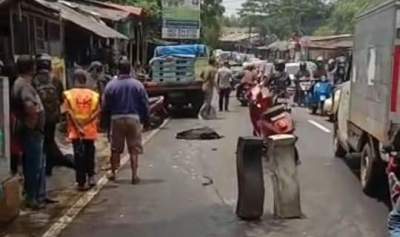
(224, 80)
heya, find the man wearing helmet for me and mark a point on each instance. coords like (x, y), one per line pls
(279, 80)
(50, 91)
(302, 75)
(331, 72)
(320, 71)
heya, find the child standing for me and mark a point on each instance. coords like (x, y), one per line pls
(82, 106)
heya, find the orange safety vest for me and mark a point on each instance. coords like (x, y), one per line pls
(82, 103)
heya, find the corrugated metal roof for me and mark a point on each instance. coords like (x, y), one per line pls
(102, 12)
(236, 37)
(329, 37)
(84, 21)
(137, 11)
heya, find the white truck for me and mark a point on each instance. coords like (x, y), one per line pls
(368, 117)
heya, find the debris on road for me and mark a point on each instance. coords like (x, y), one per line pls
(204, 133)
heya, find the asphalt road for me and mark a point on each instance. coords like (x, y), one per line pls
(189, 188)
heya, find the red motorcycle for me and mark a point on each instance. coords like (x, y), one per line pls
(267, 119)
(158, 112)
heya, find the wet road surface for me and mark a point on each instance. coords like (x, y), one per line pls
(189, 189)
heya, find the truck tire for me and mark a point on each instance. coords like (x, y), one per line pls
(371, 170)
(340, 152)
(196, 102)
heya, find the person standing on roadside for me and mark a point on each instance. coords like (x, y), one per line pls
(208, 78)
(83, 108)
(29, 113)
(126, 101)
(50, 91)
(224, 80)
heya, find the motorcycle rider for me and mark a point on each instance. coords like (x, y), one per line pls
(248, 80)
(302, 74)
(341, 71)
(321, 70)
(331, 72)
(279, 80)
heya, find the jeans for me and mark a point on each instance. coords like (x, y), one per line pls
(34, 165)
(84, 152)
(224, 99)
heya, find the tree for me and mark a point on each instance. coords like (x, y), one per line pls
(211, 17)
(284, 17)
(343, 15)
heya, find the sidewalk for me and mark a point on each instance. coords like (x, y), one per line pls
(60, 186)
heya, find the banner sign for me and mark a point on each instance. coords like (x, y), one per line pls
(181, 19)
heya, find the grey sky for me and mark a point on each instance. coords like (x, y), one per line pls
(232, 5)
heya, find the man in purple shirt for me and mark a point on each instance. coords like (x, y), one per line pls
(125, 100)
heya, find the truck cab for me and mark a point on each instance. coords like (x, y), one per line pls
(175, 74)
(368, 118)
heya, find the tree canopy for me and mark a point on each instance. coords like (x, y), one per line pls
(284, 17)
(342, 17)
(211, 21)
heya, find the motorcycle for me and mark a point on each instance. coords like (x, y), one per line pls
(304, 90)
(158, 112)
(320, 92)
(241, 93)
(260, 100)
(268, 119)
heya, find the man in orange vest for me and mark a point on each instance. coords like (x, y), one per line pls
(83, 107)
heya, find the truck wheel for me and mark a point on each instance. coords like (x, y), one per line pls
(371, 170)
(196, 105)
(339, 149)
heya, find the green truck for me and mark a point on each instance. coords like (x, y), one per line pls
(175, 74)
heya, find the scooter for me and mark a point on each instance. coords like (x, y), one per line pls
(269, 119)
(320, 92)
(158, 112)
(260, 100)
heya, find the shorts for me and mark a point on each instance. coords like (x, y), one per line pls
(127, 130)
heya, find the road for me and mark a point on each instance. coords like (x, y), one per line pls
(189, 188)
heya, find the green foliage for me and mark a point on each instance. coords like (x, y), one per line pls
(284, 17)
(343, 16)
(211, 18)
(151, 7)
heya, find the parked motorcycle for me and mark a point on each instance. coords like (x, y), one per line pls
(320, 92)
(158, 112)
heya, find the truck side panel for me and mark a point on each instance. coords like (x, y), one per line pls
(372, 72)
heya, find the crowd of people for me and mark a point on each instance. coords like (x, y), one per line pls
(94, 102)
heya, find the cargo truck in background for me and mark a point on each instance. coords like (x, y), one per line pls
(368, 117)
(175, 74)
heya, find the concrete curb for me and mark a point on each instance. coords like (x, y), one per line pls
(70, 214)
